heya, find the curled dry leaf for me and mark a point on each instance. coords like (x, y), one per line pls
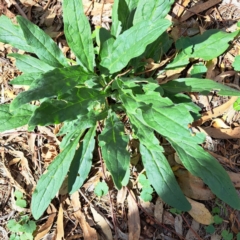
(45, 228)
(199, 7)
(200, 213)
(101, 222)
(88, 232)
(219, 123)
(215, 112)
(133, 219)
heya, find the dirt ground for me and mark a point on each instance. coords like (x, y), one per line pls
(122, 214)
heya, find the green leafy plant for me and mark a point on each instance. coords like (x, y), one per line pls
(21, 230)
(147, 190)
(20, 199)
(227, 235)
(90, 95)
(101, 189)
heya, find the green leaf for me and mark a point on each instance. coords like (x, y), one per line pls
(172, 123)
(236, 63)
(162, 179)
(238, 236)
(13, 35)
(69, 128)
(113, 143)
(198, 70)
(29, 227)
(210, 229)
(122, 15)
(51, 181)
(101, 189)
(25, 79)
(207, 46)
(20, 201)
(78, 33)
(152, 10)
(28, 64)
(121, 53)
(145, 196)
(77, 102)
(201, 164)
(43, 46)
(13, 226)
(52, 83)
(20, 117)
(216, 210)
(147, 190)
(236, 105)
(26, 236)
(217, 219)
(203, 86)
(82, 161)
(14, 237)
(181, 60)
(227, 235)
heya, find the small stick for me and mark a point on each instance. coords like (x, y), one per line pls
(19, 9)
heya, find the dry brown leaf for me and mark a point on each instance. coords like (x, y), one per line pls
(235, 178)
(234, 222)
(44, 228)
(12, 180)
(210, 68)
(96, 8)
(194, 227)
(134, 227)
(178, 224)
(121, 196)
(168, 218)
(222, 133)
(220, 158)
(49, 152)
(219, 123)
(88, 232)
(216, 237)
(30, 3)
(220, 78)
(101, 222)
(158, 210)
(199, 8)
(216, 112)
(59, 233)
(200, 213)
(193, 186)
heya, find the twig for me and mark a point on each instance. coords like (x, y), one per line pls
(198, 237)
(19, 9)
